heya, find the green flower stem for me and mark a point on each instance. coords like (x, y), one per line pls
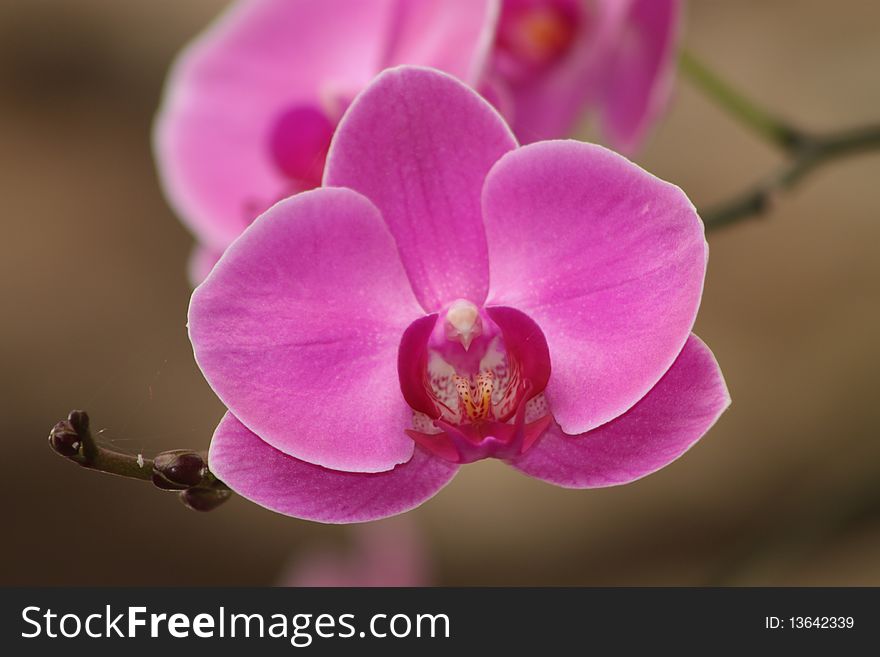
(805, 152)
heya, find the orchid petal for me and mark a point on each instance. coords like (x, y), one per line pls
(284, 484)
(418, 143)
(548, 104)
(454, 36)
(667, 422)
(639, 72)
(297, 328)
(606, 258)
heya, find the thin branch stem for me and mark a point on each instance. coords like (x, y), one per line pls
(813, 153)
(182, 471)
(117, 463)
(805, 152)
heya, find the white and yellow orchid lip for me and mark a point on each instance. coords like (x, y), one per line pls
(471, 399)
(475, 399)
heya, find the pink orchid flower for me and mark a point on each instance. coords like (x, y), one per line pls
(554, 58)
(386, 553)
(371, 336)
(250, 106)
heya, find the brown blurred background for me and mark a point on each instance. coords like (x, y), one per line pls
(785, 490)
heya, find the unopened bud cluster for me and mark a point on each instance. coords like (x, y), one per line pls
(66, 436)
(181, 470)
(178, 469)
(186, 471)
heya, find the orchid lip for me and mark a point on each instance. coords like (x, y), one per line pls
(474, 377)
(298, 143)
(532, 38)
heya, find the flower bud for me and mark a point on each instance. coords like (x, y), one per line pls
(65, 440)
(79, 420)
(161, 482)
(204, 499)
(178, 469)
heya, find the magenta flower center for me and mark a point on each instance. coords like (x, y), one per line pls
(298, 143)
(474, 378)
(532, 35)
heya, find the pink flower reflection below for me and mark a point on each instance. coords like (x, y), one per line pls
(386, 553)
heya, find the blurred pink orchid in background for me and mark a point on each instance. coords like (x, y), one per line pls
(371, 336)
(554, 59)
(385, 553)
(250, 107)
